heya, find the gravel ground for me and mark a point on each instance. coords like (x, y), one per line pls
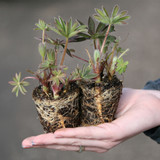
(18, 51)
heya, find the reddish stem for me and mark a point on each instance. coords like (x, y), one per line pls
(80, 58)
(104, 42)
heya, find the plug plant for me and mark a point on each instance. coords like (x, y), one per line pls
(89, 95)
(107, 55)
(50, 73)
(101, 94)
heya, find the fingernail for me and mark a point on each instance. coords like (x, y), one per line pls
(25, 147)
(33, 144)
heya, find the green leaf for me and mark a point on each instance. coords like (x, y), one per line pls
(24, 83)
(15, 79)
(18, 84)
(101, 27)
(121, 20)
(55, 30)
(41, 25)
(21, 90)
(102, 20)
(111, 39)
(105, 11)
(121, 66)
(102, 16)
(96, 55)
(12, 83)
(91, 26)
(63, 24)
(114, 62)
(51, 55)
(74, 26)
(18, 77)
(81, 28)
(84, 35)
(58, 23)
(80, 22)
(115, 11)
(112, 29)
(101, 13)
(72, 34)
(45, 65)
(69, 26)
(14, 89)
(58, 76)
(123, 13)
(90, 76)
(66, 29)
(69, 52)
(42, 49)
(84, 73)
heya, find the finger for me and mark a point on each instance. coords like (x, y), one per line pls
(50, 139)
(71, 148)
(41, 139)
(28, 142)
(91, 132)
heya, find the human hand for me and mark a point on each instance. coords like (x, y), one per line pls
(138, 111)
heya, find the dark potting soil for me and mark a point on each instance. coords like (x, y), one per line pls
(39, 94)
(105, 84)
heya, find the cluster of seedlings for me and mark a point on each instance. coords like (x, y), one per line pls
(88, 95)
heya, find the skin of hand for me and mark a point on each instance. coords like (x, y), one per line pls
(138, 111)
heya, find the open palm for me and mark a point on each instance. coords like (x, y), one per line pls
(138, 111)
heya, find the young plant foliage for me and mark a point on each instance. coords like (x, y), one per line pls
(106, 57)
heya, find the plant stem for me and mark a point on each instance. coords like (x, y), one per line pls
(112, 55)
(43, 35)
(64, 53)
(104, 42)
(95, 47)
(98, 45)
(56, 51)
(80, 58)
(90, 59)
(45, 86)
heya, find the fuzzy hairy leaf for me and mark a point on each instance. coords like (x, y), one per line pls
(102, 19)
(96, 55)
(79, 38)
(51, 55)
(121, 66)
(84, 73)
(80, 22)
(18, 84)
(101, 27)
(67, 29)
(46, 65)
(116, 18)
(58, 76)
(105, 11)
(115, 11)
(114, 62)
(120, 20)
(91, 26)
(42, 49)
(102, 16)
(42, 25)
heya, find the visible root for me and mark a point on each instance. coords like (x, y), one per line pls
(98, 103)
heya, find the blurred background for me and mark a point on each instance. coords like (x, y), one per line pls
(18, 51)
